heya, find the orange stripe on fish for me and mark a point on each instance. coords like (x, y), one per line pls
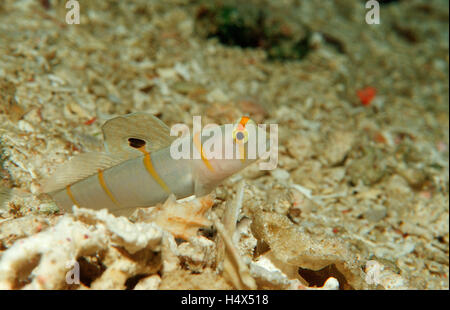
(149, 166)
(69, 193)
(244, 120)
(101, 180)
(199, 147)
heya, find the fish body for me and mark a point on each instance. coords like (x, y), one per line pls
(140, 169)
(129, 184)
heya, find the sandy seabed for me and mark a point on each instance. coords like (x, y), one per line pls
(360, 195)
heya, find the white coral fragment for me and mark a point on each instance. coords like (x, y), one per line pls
(264, 271)
(149, 283)
(45, 255)
(182, 219)
(132, 236)
(43, 260)
(377, 274)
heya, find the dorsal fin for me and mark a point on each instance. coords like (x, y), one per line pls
(128, 133)
(77, 168)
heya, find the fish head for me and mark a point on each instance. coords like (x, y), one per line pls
(229, 148)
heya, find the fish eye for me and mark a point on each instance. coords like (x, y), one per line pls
(136, 143)
(240, 135)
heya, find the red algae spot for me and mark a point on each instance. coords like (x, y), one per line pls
(425, 194)
(366, 95)
(90, 121)
(379, 138)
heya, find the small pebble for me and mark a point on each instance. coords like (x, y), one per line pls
(280, 174)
